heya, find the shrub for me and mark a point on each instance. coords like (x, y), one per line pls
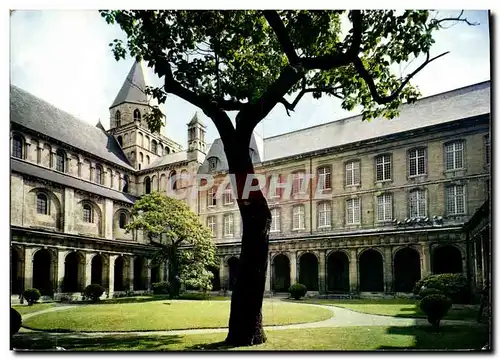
(15, 321)
(453, 286)
(429, 291)
(435, 307)
(297, 291)
(31, 296)
(161, 287)
(93, 292)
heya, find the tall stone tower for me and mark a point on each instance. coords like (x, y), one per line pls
(196, 140)
(141, 146)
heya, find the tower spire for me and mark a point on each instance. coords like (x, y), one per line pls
(133, 89)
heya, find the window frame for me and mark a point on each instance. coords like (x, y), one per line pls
(455, 196)
(454, 143)
(324, 172)
(99, 175)
(300, 213)
(298, 179)
(275, 225)
(122, 216)
(20, 149)
(418, 202)
(118, 118)
(385, 205)
(137, 115)
(45, 205)
(212, 225)
(212, 197)
(383, 166)
(353, 173)
(230, 219)
(322, 208)
(90, 212)
(416, 158)
(60, 160)
(227, 196)
(347, 202)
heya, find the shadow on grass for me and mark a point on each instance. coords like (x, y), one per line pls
(77, 342)
(217, 346)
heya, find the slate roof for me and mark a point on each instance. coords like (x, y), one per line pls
(133, 88)
(38, 115)
(168, 159)
(466, 102)
(196, 119)
(26, 168)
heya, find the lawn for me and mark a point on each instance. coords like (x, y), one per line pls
(25, 309)
(396, 307)
(349, 338)
(166, 315)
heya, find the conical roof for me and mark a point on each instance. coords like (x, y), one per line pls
(196, 120)
(133, 89)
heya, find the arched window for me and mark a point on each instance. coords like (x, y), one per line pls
(141, 157)
(147, 185)
(154, 147)
(41, 204)
(173, 180)
(17, 146)
(98, 174)
(166, 150)
(60, 160)
(184, 178)
(125, 184)
(147, 160)
(120, 140)
(123, 220)
(87, 213)
(137, 115)
(118, 118)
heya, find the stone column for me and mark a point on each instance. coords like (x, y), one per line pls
(322, 271)
(61, 259)
(426, 260)
(92, 171)
(268, 274)
(111, 275)
(161, 271)
(353, 271)
(131, 273)
(28, 267)
(293, 267)
(388, 269)
(80, 165)
(27, 145)
(53, 152)
(39, 150)
(67, 163)
(148, 274)
(88, 268)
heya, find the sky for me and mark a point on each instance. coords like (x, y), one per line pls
(63, 57)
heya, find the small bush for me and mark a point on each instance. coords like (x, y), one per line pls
(161, 287)
(15, 321)
(435, 306)
(297, 291)
(31, 296)
(453, 286)
(93, 292)
(429, 291)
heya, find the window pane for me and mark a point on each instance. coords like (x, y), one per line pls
(17, 147)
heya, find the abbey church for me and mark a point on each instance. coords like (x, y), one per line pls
(401, 198)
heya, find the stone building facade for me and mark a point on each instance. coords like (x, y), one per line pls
(357, 207)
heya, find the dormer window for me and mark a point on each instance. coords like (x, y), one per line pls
(212, 163)
(137, 115)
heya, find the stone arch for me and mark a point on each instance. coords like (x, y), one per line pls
(163, 182)
(53, 205)
(154, 183)
(147, 185)
(74, 272)
(172, 179)
(97, 270)
(96, 214)
(146, 142)
(406, 269)
(281, 272)
(126, 183)
(447, 259)
(140, 139)
(120, 274)
(18, 145)
(308, 271)
(125, 139)
(16, 271)
(371, 270)
(43, 271)
(140, 273)
(160, 149)
(233, 263)
(337, 266)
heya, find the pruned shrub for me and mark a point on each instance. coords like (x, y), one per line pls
(429, 291)
(31, 296)
(297, 291)
(93, 292)
(161, 287)
(453, 286)
(15, 321)
(435, 306)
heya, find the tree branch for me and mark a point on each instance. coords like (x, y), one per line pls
(459, 18)
(371, 84)
(291, 106)
(281, 33)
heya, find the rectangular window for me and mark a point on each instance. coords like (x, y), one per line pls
(384, 207)
(228, 195)
(212, 197)
(324, 215)
(228, 225)
(454, 155)
(298, 182)
(383, 167)
(353, 211)
(418, 204)
(324, 178)
(455, 200)
(275, 222)
(487, 149)
(211, 224)
(298, 221)
(417, 160)
(352, 173)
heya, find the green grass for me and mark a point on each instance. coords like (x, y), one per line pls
(166, 315)
(25, 309)
(396, 307)
(348, 338)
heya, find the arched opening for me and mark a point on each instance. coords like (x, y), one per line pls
(60, 160)
(87, 213)
(173, 180)
(137, 115)
(154, 147)
(281, 273)
(118, 274)
(166, 151)
(233, 264)
(139, 280)
(118, 120)
(18, 146)
(96, 271)
(406, 269)
(42, 264)
(125, 184)
(74, 271)
(216, 278)
(16, 280)
(120, 140)
(338, 272)
(98, 174)
(371, 272)
(155, 274)
(447, 259)
(42, 204)
(308, 271)
(147, 185)
(122, 221)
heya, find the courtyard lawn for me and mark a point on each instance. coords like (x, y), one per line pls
(348, 338)
(25, 309)
(396, 307)
(166, 315)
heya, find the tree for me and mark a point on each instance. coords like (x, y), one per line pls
(248, 62)
(182, 239)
